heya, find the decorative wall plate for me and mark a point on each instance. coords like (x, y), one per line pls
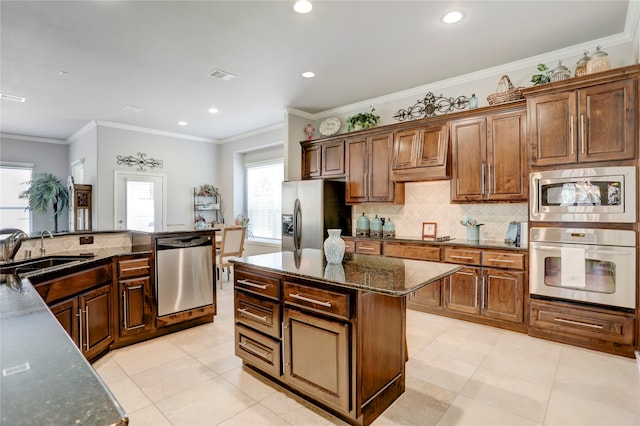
(330, 126)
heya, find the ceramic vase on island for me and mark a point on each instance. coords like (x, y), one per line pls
(334, 246)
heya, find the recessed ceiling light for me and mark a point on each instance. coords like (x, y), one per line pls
(13, 98)
(308, 74)
(182, 123)
(213, 110)
(132, 108)
(302, 6)
(63, 74)
(452, 17)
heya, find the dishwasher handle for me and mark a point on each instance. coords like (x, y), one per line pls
(187, 241)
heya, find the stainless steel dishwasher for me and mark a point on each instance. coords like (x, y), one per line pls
(184, 273)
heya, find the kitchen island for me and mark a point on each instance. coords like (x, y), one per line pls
(334, 334)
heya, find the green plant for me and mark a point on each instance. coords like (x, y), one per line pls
(207, 190)
(46, 189)
(364, 119)
(544, 78)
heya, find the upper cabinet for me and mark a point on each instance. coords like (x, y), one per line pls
(489, 157)
(320, 160)
(420, 153)
(368, 170)
(584, 120)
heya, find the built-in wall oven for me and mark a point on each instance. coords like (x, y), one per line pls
(586, 265)
(593, 194)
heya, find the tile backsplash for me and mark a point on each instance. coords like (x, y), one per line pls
(62, 244)
(431, 202)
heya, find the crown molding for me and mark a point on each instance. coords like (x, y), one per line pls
(275, 126)
(83, 130)
(33, 138)
(154, 131)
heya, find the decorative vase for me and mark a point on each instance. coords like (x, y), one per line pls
(334, 246)
(473, 233)
(334, 272)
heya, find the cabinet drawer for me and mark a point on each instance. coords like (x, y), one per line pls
(258, 350)
(412, 251)
(503, 260)
(259, 284)
(459, 255)
(562, 320)
(369, 247)
(349, 245)
(317, 300)
(258, 313)
(133, 268)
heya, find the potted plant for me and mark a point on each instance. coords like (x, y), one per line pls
(46, 189)
(363, 120)
(544, 78)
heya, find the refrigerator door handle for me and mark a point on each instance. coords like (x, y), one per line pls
(297, 225)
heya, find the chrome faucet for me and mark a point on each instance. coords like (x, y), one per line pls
(42, 249)
(12, 243)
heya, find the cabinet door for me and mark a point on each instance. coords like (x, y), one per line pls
(428, 296)
(404, 145)
(66, 312)
(311, 161)
(462, 291)
(507, 175)
(503, 295)
(380, 184)
(96, 332)
(468, 148)
(608, 114)
(552, 128)
(357, 165)
(332, 158)
(432, 146)
(316, 352)
(135, 309)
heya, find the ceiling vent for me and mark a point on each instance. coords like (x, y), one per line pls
(13, 98)
(222, 75)
(131, 108)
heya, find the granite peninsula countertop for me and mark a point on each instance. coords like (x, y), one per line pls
(379, 274)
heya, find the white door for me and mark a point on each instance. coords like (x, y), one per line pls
(139, 201)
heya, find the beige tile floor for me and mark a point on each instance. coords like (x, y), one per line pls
(458, 373)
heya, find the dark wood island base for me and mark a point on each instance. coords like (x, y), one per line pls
(333, 334)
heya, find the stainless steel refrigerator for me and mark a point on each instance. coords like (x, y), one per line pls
(309, 208)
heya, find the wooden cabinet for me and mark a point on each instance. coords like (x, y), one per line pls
(134, 287)
(88, 320)
(368, 170)
(339, 347)
(368, 247)
(323, 159)
(589, 327)
(489, 157)
(595, 122)
(421, 154)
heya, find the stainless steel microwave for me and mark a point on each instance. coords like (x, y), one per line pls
(594, 194)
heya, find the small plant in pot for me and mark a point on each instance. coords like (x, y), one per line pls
(363, 120)
(544, 78)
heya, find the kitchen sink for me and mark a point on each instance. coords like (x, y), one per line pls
(30, 265)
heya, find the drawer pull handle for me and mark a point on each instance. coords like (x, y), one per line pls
(250, 348)
(136, 268)
(453, 256)
(366, 248)
(252, 315)
(500, 260)
(586, 324)
(307, 299)
(250, 284)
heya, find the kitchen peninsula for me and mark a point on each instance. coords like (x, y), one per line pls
(333, 333)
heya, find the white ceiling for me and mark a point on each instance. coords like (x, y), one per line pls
(158, 54)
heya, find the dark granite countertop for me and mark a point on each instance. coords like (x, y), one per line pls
(45, 378)
(489, 244)
(379, 274)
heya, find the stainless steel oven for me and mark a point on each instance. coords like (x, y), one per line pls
(594, 194)
(586, 265)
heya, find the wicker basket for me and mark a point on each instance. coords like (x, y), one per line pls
(505, 92)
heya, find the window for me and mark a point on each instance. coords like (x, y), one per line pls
(13, 209)
(264, 198)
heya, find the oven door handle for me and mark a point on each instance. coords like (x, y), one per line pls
(616, 252)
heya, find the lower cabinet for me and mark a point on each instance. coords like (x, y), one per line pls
(88, 320)
(342, 348)
(134, 294)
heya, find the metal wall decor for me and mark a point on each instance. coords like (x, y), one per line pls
(431, 106)
(140, 161)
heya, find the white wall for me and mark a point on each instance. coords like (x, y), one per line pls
(51, 157)
(186, 163)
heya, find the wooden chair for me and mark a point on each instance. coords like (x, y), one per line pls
(231, 245)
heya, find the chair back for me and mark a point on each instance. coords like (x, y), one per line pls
(232, 243)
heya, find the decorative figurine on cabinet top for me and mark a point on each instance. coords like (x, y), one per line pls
(309, 131)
